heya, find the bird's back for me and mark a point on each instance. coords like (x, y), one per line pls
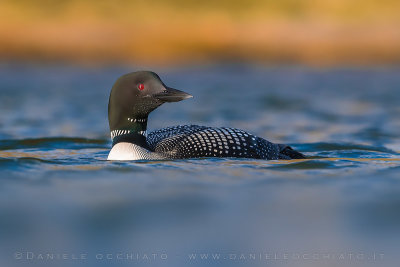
(193, 141)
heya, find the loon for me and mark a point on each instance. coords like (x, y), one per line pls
(132, 98)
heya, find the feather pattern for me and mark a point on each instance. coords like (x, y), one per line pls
(193, 141)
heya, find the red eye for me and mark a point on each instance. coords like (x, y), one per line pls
(140, 86)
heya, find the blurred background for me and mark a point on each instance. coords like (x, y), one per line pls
(182, 31)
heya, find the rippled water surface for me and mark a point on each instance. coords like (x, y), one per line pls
(59, 196)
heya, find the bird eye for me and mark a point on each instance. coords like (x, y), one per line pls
(140, 86)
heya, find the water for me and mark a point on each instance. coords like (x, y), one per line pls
(59, 196)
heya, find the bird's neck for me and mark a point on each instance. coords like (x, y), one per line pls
(133, 130)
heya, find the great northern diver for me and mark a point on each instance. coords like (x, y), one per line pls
(135, 95)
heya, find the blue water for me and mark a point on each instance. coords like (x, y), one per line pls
(58, 194)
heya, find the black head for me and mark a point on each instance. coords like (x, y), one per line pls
(135, 95)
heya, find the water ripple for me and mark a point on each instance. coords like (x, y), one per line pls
(53, 142)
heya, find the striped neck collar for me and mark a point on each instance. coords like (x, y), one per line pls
(132, 128)
(117, 133)
(130, 137)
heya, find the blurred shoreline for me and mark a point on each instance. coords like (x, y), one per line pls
(171, 32)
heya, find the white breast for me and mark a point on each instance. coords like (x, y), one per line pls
(129, 151)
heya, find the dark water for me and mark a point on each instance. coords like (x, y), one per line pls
(59, 196)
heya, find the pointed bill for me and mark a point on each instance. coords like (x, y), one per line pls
(172, 95)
